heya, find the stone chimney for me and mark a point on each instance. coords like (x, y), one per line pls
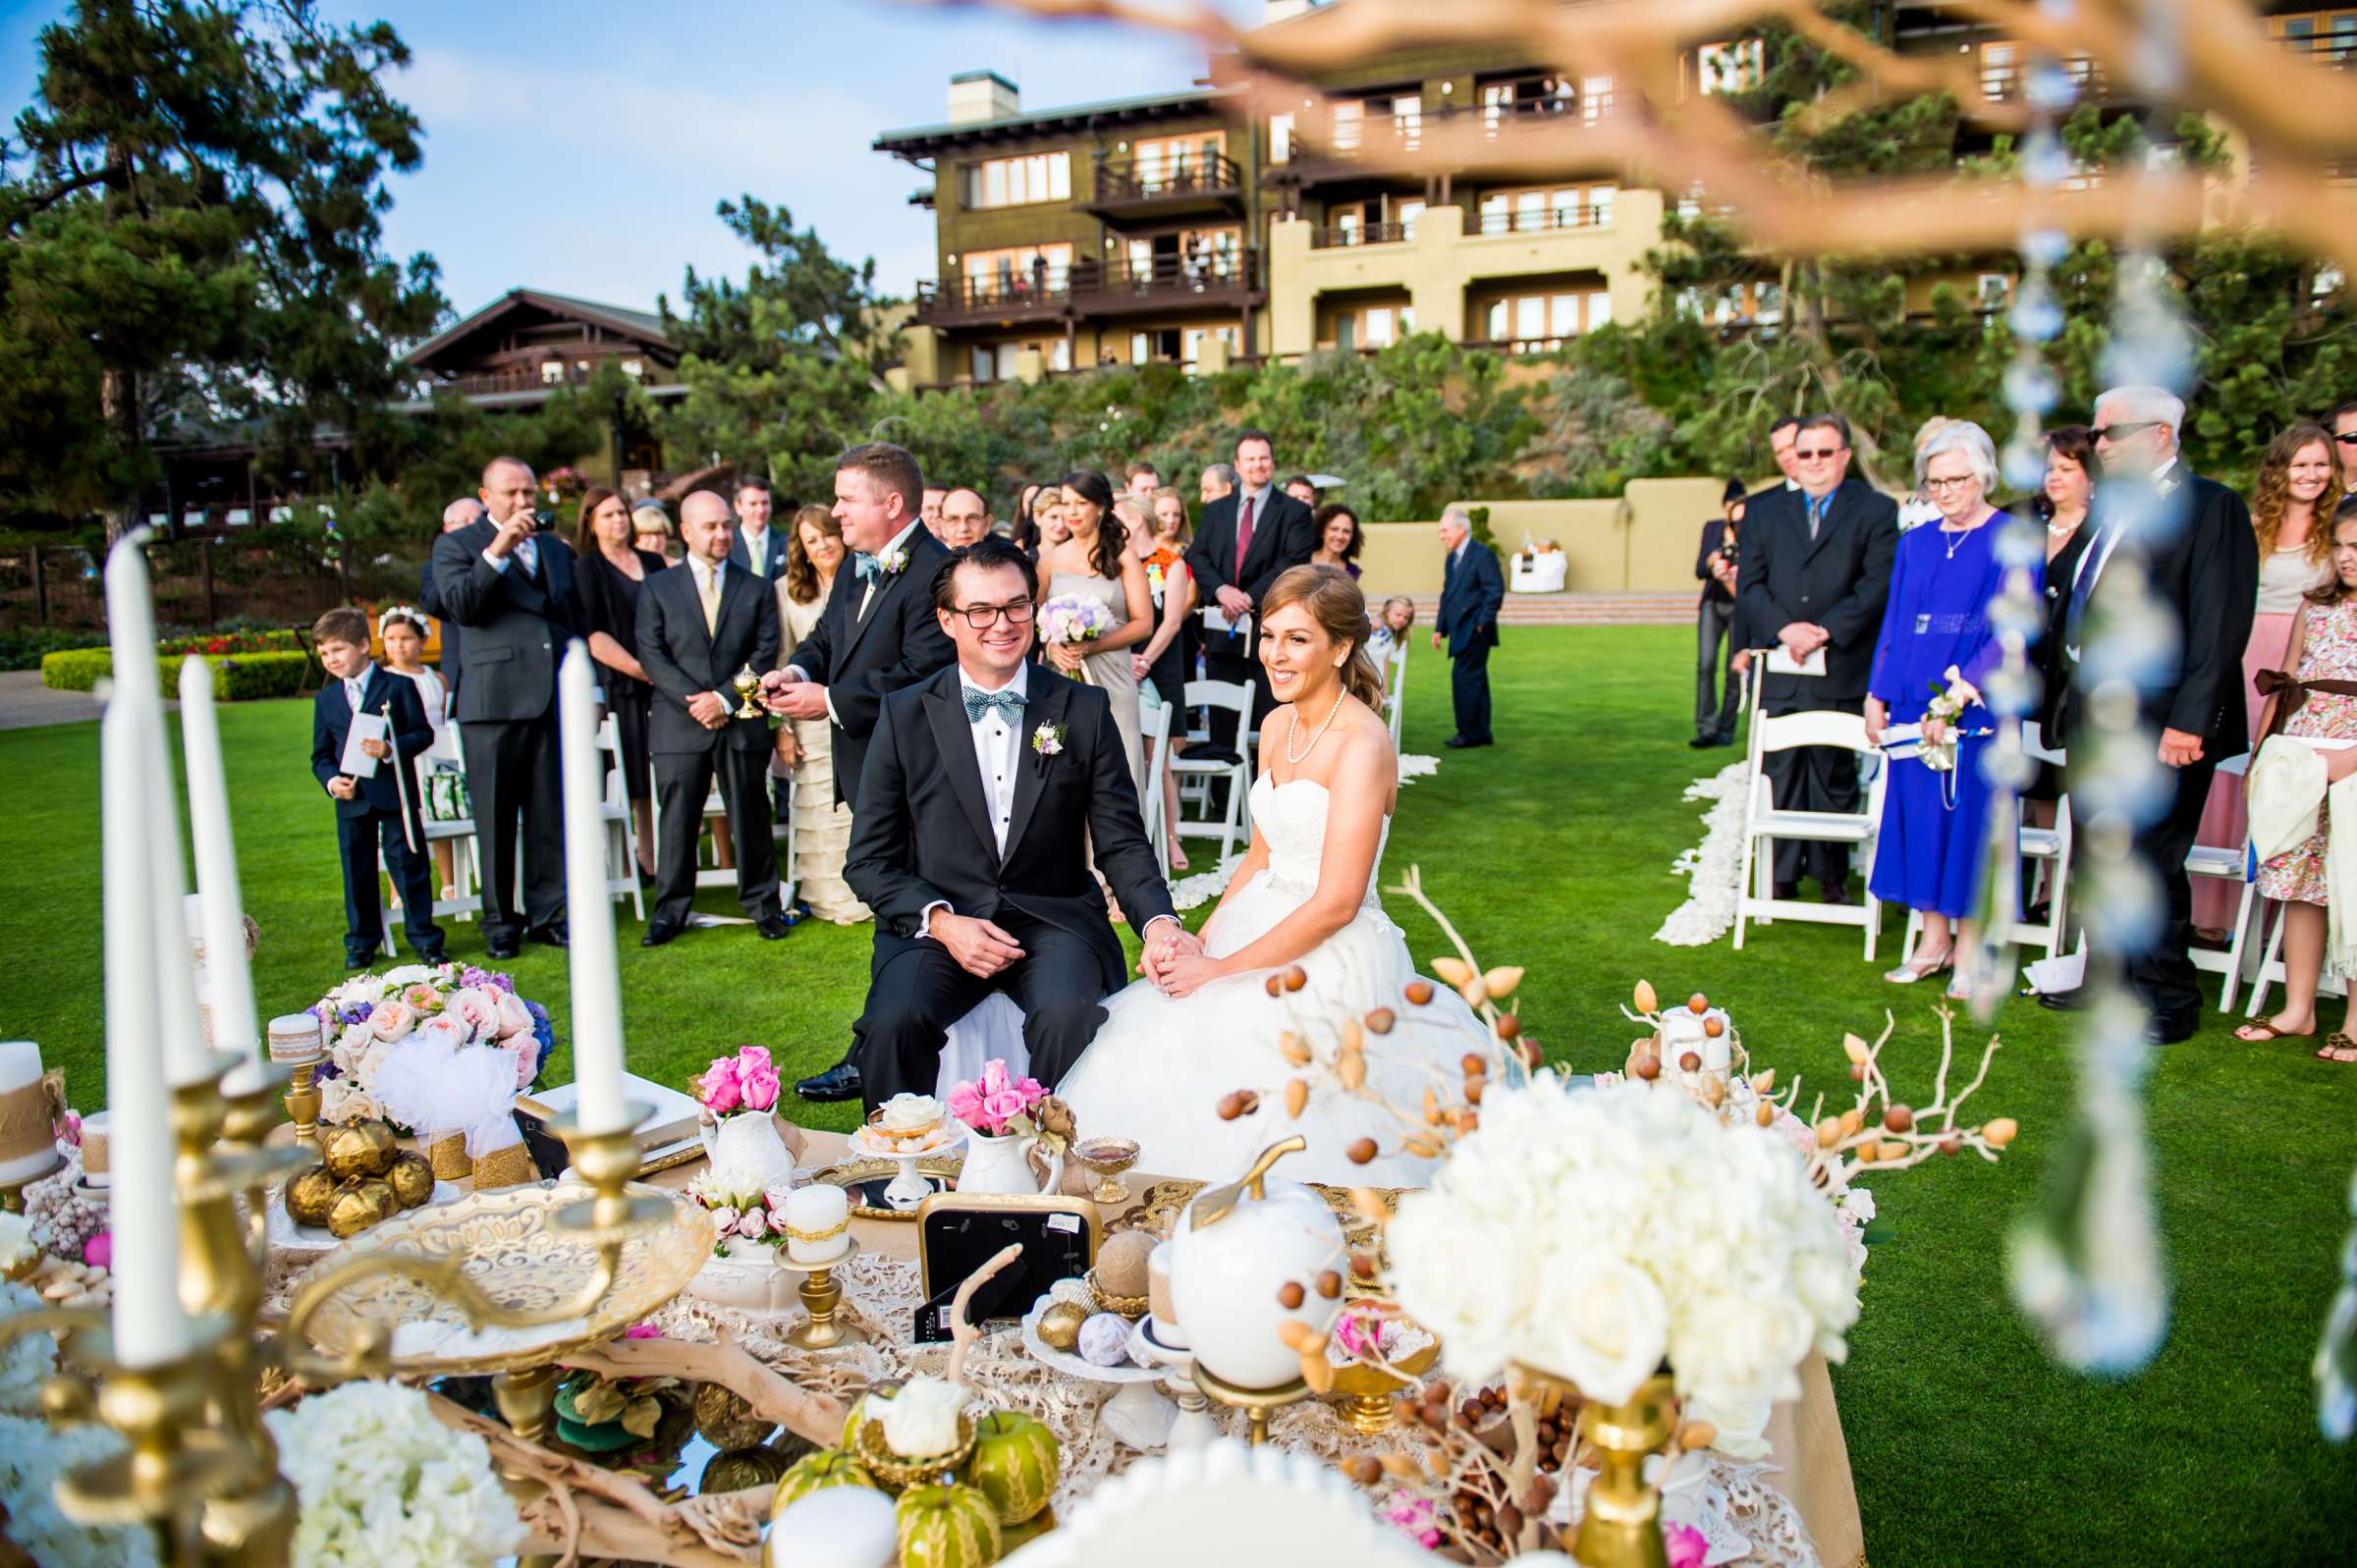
(979, 95)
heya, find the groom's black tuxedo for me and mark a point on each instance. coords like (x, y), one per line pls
(921, 835)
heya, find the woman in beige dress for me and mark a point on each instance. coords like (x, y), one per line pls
(822, 828)
(1095, 562)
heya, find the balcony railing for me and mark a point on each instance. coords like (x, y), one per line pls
(1373, 137)
(1522, 221)
(2003, 81)
(1170, 179)
(2335, 48)
(1087, 285)
(1344, 236)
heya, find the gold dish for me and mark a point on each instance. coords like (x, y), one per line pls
(519, 1258)
(852, 1174)
(899, 1473)
(1364, 1393)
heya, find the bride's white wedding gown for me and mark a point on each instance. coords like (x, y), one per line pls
(1160, 1065)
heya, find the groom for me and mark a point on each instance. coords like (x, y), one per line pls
(980, 793)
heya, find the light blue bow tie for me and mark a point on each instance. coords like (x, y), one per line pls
(867, 566)
(979, 703)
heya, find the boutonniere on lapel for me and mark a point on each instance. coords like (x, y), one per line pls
(1048, 741)
(893, 562)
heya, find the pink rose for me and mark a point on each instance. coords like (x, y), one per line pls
(754, 1223)
(528, 1061)
(515, 1018)
(966, 1104)
(995, 1079)
(478, 1010)
(760, 1089)
(390, 1020)
(421, 996)
(752, 1059)
(1686, 1545)
(724, 1218)
(776, 1198)
(446, 1031)
(1003, 1106)
(719, 1088)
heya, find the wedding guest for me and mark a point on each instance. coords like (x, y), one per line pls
(964, 517)
(822, 825)
(1174, 535)
(757, 549)
(698, 624)
(1816, 571)
(514, 589)
(2062, 504)
(1244, 542)
(1218, 483)
(1934, 634)
(2318, 700)
(1144, 478)
(1919, 508)
(378, 813)
(930, 512)
(613, 571)
(1714, 709)
(2291, 511)
(2199, 581)
(1094, 562)
(1302, 490)
(1159, 665)
(1472, 591)
(1338, 538)
(2343, 423)
(1048, 512)
(459, 513)
(402, 631)
(1391, 631)
(650, 528)
(1025, 530)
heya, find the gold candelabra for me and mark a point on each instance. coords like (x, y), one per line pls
(200, 1468)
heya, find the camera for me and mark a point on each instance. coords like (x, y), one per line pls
(543, 521)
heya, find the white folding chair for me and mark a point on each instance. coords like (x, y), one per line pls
(2227, 864)
(1764, 825)
(621, 827)
(1154, 734)
(1236, 699)
(2049, 849)
(1395, 689)
(464, 900)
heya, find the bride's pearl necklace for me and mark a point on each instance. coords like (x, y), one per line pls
(1315, 738)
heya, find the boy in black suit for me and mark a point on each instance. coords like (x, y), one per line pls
(382, 808)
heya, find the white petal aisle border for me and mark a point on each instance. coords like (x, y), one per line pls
(1713, 866)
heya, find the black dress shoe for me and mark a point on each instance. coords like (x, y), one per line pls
(1722, 741)
(434, 958)
(657, 935)
(839, 1082)
(773, 927)
(503, 949)
(1783, 891)
(1835, 892)
(2172, 1031)
(553, 935)
(1701, 744)
(1454, 741)
(2071, 1000)
(357, 960)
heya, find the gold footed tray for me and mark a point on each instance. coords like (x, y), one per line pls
(1363, 1393)
(523, 1261)
(864, 1181)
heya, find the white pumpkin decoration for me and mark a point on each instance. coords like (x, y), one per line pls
(1225, 1278)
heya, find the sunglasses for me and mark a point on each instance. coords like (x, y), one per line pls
(2347, 438)
(2124, 429)
(1817, 456)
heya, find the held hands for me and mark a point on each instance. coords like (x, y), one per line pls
(980, 947)
(1169, 942)
(1183, 973)
(798, 699)
(376, 748)
(2179, 749)
(343, 786)
(789, 751)
(706, 709)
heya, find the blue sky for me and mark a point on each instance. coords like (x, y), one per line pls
(581, 146)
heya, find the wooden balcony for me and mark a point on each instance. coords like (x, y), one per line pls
(1194, 186)
(1093, 289)
(1342, 237)
(1487, 136)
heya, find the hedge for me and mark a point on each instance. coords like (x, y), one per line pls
(238, 678)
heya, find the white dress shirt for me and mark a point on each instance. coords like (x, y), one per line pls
(528, 551)
(756, 549)
(358, 684)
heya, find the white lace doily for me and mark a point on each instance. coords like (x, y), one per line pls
(1714, 866)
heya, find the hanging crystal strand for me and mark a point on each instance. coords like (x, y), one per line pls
(2087, 1264)
(2337, 1352)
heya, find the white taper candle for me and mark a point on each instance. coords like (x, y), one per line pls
(149, 1326)
(588, 911)
(229, 980)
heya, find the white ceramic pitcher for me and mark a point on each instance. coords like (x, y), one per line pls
(1003, 1166)
(749, 1141)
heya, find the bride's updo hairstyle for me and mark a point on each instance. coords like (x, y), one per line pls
(1334, 603)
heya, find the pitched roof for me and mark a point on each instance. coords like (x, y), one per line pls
(645, 325)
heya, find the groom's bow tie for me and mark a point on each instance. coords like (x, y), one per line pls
(979, 703)
(867, 568)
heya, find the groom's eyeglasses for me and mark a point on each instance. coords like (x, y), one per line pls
(984, 617)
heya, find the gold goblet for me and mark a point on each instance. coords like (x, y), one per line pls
(1107, 1158)
(745, 684)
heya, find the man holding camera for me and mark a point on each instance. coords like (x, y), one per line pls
(510, 582)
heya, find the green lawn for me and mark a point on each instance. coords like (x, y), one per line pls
(1553, 851)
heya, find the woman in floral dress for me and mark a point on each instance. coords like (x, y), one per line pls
(2323, 648)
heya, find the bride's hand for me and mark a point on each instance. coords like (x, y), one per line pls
(1183, 972)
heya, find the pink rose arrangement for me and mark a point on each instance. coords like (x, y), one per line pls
(747, 1081)
(997, 1103)
(1417, 1518)
(372, 1016)
(741, 1210)
(1686, 1545)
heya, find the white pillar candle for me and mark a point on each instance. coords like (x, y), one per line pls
(20, 1064)
(814, 1211)
(588, 911)
(229, 982)
(149, 1326)
(19, 1072)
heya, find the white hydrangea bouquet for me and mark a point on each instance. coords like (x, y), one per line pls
(381, 1481)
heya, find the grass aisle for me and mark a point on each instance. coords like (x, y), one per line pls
(1553, 851)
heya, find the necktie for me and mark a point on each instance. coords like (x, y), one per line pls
(2082, 587)
(352, 695)
(1816, 505)
(755, 550)
(1243, 535)
(868, 567)
(708, 584)
(977, 703)
(527, 555)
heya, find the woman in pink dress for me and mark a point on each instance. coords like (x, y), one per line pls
(2291, 509)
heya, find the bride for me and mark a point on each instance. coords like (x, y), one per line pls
(1169, 1054)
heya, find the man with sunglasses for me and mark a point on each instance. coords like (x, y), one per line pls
(2172, 544)
(2343, 423)
(1816, 571)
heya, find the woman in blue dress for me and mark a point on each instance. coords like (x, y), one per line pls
(1934, 631)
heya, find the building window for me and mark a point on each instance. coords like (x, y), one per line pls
(985, 363)
(1180, 160)
(1991, 290)
(552, 372)
(1018, 274)
(1600, 309)
(633, 368)
(1348, 121)
(1539, 323)
(1281, 137)
(1550, 207)
(1409, 212)
(1407, 121)
(1060, 354)
(1730, 67)
(1595, 98)
(1017, 182)
(2000, 70)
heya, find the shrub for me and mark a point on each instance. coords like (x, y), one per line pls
(237, 677)
(24, 650)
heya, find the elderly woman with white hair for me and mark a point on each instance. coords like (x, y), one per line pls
(1935, 639)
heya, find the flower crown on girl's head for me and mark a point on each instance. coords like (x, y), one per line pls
(408, 613)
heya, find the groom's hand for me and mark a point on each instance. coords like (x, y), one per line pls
(980, 947)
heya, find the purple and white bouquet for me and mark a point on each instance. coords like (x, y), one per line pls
(371, 1017)
(1074, 618)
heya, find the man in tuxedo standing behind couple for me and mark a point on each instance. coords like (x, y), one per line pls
(1244, 541)
(982, 790)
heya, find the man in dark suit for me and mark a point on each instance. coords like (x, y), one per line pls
(1816, 573)
(1715, 705)
(2171, 543)
(983, 793)
(1243, 542)
(511, 588)
(756, 547)
(457, 514)
(1472, 590)
(878, 634)
(699, 623)
(379, 811)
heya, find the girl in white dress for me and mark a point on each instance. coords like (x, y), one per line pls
(1304, 894)
(402, 629)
